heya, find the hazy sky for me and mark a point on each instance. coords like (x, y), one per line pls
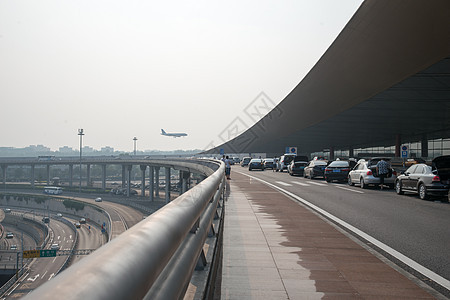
(124, 69)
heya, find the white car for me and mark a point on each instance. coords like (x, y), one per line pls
(364, 174)
(54, 247)
(284, 161)
(98, 199)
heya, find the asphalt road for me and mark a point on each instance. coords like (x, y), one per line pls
(418, 229)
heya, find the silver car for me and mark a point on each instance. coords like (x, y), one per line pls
(364, 174)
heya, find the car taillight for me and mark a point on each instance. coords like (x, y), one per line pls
(345, 170)
(436, 179)
(394, 173)
(327, 170)
(369, 172)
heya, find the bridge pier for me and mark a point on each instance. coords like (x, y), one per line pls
(32, 176)
(151, 183)
(167, 187)
(129, 168)
(123, 176)
(71, 175)
(157, 181)
(143, 168)
(48, 174)
(104, 177)
(88, 175)
(184, 176)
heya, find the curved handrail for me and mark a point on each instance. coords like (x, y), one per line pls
(129, 265)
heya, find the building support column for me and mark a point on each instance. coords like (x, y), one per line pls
(167, 187)
(104, 177)
(32, 176)
(48, 174)
(351, 152)
(88, 175)
(398, 144)
(424, 146)
(129, 168)
(331, 153)
(143, 168)
(157, 182)
(71, 175)
(151, 180)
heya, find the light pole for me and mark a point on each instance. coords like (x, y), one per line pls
(80, 133)
(134, 139)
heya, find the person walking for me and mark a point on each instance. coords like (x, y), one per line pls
(382, 171)
(227, 167)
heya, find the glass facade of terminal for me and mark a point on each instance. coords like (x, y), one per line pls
(436, 147)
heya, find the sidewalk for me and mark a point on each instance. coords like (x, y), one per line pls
(274, 248)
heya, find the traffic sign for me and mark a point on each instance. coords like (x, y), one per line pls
(31, 253)
(404, 154)
(291, 150)
(48, 253)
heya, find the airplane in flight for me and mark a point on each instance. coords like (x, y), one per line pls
(175, 135)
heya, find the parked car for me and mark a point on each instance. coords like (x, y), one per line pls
(297, 165)
(245, 161)
(315, 168)
(236, 160)
(98, 199)
(256, 163)
(284, 161)
(46, 219)
(365, 174)
(269, 163)
(77, 225)
(426, 180)
(9, 235)
(82, 221)
(7, 210)
(337, 170)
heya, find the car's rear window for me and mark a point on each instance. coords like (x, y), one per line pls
(339, 164)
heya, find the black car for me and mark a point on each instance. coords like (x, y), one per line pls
(425, 180)
(256, 163)
(297, 165)
(315, 168)
(337, 170)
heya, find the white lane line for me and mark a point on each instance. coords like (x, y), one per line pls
(300, 183)
(351, 190)
(283, 183)
(318, 183)
(408, 261)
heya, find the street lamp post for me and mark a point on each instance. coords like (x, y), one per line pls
(80, 133)
(134, 139)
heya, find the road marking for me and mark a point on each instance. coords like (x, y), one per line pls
(408, 261)
(32, 279)
(351, 190)
(283, 183)
(318, 183)
(51, 276)
(300, 183)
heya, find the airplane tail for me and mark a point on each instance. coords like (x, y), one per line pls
(162, 131)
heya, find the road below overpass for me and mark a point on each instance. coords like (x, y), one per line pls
(417, 229)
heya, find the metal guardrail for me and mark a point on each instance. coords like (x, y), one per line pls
(155, 258)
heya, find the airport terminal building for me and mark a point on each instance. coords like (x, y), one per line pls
(381, 87)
